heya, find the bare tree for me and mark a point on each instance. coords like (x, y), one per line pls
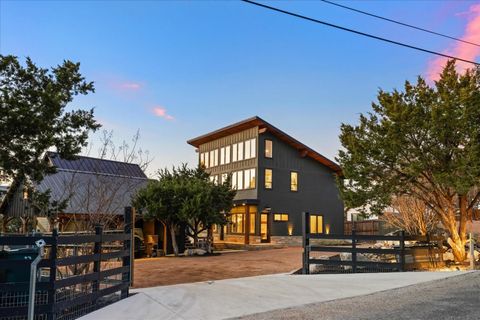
(412, 215)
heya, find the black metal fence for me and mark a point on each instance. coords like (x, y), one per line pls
(354, 253)
(79, 273)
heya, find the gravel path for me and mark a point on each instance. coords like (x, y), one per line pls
(452, 298)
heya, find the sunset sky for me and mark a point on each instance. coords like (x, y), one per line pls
(176, 70)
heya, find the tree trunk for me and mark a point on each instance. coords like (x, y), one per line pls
(174, 240)
(457, 235)
(210, 239)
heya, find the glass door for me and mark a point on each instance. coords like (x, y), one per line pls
(264, 232)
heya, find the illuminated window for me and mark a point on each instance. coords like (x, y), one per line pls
(240, 151)
(222, 155)
(234, 181)
(268, 178)
(316, 224)
(280, 217)
(227, 154)
(239, 180)
(253, 213)
(234, 152)
(212, 158)
(252, 181)
(207, 162)
(202, 159)
(268, 149)
(237, 222)
(253, 147)
(293, 181)
(248, 150)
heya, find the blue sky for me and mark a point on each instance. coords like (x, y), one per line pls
(176, 70)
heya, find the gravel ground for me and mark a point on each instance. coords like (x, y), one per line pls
(452, 298)
(170, 270)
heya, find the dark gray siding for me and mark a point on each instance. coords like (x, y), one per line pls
(317, 191)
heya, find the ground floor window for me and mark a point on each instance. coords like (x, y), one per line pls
(280, 217)
(238, 219)
(316, 223)
(237, 222)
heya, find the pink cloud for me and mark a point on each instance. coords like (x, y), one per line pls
(130, 86)
(162, 113)
(460, 49)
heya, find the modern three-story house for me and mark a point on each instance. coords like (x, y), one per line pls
(276, 178)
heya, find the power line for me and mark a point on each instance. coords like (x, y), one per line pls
(359, 32)
(399, 22)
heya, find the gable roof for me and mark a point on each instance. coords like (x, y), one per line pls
(96, 165)
(91, 185)
(262, 124)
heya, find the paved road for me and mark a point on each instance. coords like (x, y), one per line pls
(451, 298)
(230, 298)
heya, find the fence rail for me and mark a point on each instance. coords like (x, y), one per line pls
(347, 255)
(71, 287)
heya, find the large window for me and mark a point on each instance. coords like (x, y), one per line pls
(234, 152)
(280, 217)
(268, 179)
(253, 148)
(252, 179)
(294, 181)
(240, 151)
(215, 153)
(239, 180)
(222, 155)
(248, 150)
(237, 222)
(212, 158)
(202, 158)
(234, 181)
(227, 154)
(207, 162)
(224, 177)
(316, 223)
(268, 149)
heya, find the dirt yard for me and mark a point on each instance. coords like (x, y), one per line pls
(170, 270)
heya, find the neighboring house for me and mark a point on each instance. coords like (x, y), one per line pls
(276, 178)
(96, 190)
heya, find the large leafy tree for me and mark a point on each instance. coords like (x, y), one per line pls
(34, 116)
(422, 142)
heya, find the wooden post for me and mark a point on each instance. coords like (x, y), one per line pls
(354, 251)
(306, 242)
(127, 277)
(97, 263)
(402, 251)
(52, 315)
(247, 224)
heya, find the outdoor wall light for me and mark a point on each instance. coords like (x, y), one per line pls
(290, 229)
(327, 229)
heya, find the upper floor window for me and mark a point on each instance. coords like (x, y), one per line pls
(207, 160)
(240, 151)
(249, 179)
(250, 148)
(222, 155)
(239, 180)
(316, 223)
(234, 152)
(224, 177)
(268, 179)
(214, 179)
(294, 181)
(268, 149)
(227, 154)
(202, 159)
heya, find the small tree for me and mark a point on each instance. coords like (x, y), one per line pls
(423, 142)
(206, 205)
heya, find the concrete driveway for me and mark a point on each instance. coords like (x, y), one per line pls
(243, 296)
